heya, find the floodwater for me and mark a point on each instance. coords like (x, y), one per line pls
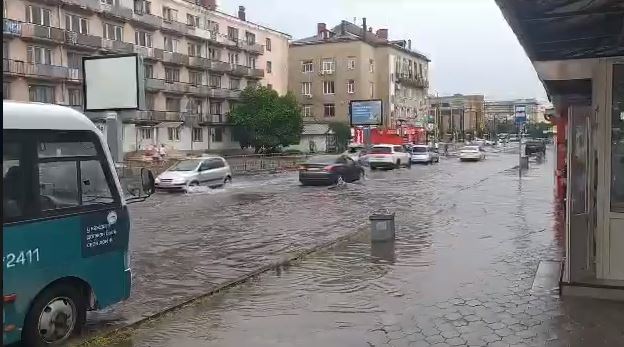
(469, 239)
(184, 244)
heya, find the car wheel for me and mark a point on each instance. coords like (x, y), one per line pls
(409, 164)
(55, 315)
(373, 168)
(361, 175)
(398, 164)
(339, 180)
(228, 179)
(194, 184)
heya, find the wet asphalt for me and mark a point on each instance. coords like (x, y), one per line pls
(469, 239)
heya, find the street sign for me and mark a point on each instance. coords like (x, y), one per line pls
(366, 112)
(520, 114)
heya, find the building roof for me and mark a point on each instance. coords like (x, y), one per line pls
(347, 31)
(567, 29)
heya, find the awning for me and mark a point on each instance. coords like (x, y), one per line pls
(169, 124)
(567, 29)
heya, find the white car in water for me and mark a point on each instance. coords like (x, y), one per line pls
(388, 157)
(212, 171)
(472, 153)
(424, 154)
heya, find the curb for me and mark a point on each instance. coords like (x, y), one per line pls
(96, 338)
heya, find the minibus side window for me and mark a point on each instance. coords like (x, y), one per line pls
(13, 181)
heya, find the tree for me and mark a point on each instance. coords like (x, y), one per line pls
(266, 121)
(342, 131)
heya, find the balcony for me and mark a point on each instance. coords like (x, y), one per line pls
(41, 71)
(253, 48)
(214, 119)
(42, 33)
(239, 70)
(234, 94)
(92, 5)
(176, 88)
(11, 27)
(116, 11)
(218, 93)
(175, 58)
(167, 116)
(173, 26)
(78, 40)
(256, 73)
(199, 62)
(146, 20)
(201, 90)
(149, 53)
(117, 46)
(152, 84)
(219, 66)
(412, 81)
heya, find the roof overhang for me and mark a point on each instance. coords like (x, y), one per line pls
(564, 38)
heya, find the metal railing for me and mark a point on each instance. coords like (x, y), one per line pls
(17, 67)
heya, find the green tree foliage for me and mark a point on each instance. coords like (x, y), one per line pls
(265, 121)
(536, 130)
(342, 131)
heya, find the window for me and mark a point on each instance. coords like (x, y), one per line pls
(251, 61)
(328, 87)
(173, 134)
(214, 81)
(171, 44)
(195, 106)
(38, 15)
(233, 58)
(74, 96)
(268, 44)
(235, 83)
(214, 54)
(213, 28)
(327, 66)
(40, 93)
(74, 60)
(142, 6)
(250, 38)
(149, 70)
(150, 100)
(307, 66)
(192, 20)
(6, 87)
(371, 65)
(145, 133)
(77, 24)
(106, 2)
(196, 78)
(217, 135)
(351, 63)
(14, 185)
(143, 38)
(39, 55)
(112, 32)
(169, 14)
(252, 84)
(197, 135)
(329, 110)
(215, 108)
(194, 49)
(617, 140)
(232, 33)
(269, 67)
(172, 104)
(398, 149)
(307, 111)
(172, 74)
(350, 86)
(306, 88)
(372, 89)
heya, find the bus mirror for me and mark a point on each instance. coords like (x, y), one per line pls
(147, 181)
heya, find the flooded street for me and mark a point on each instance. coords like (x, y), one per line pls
(469, 239)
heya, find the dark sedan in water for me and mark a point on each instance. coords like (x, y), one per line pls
(330, 169)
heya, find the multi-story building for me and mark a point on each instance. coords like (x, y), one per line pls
(197, 60)
(458, 116)
(505, 110)
(349, 62)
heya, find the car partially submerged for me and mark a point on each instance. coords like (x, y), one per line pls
(212, 171)
(330, 169)
(472, 153)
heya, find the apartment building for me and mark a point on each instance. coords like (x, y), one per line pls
(504, 110)
(349, 62)
(459, 116)
(197, 60)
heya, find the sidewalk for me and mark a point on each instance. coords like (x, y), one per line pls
(460, 273)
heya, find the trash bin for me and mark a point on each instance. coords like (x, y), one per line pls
(382, 226)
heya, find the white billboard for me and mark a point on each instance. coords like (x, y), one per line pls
(113, 82)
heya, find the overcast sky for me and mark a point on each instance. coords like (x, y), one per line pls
(471, 47)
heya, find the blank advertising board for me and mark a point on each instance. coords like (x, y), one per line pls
(366, 112)
(113, 82)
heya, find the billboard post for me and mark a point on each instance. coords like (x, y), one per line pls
(366, 113)
(520, 120)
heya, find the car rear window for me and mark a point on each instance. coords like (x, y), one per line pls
(381, 150)
(419, 149)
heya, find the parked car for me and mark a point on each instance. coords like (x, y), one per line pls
(424, 154)
(330, 169)
(212, 171)
(473, 153)
(535, 147)
(389, 157)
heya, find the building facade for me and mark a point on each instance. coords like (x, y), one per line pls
(349, 62)
(197, 60)
(458, 116)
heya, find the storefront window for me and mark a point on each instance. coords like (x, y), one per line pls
(617, 140)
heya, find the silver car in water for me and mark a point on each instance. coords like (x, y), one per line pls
(212, 171)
